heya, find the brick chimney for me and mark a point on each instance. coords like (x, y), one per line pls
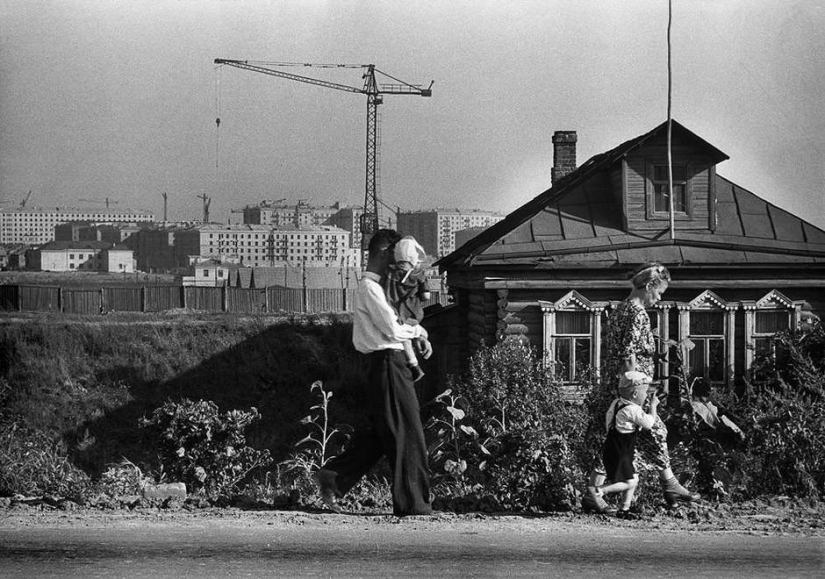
(564, 154)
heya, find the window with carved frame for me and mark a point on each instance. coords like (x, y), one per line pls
(572, 343)
(707, 332)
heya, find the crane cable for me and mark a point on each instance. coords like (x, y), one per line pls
(217, 113)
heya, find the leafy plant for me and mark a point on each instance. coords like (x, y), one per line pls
(505, 433)
(203, 448)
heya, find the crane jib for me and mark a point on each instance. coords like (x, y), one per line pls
(369, 222)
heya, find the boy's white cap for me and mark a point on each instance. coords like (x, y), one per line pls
(633, 379)
(408, 249)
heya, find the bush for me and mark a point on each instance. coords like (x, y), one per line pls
(783, 409)
(780, 410)
(203, 448)
(504, 436)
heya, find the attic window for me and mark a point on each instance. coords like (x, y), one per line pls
(660, 189)
(657, 192)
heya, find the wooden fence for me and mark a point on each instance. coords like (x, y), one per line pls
(159, 298)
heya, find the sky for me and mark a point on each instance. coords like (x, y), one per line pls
(117, 99)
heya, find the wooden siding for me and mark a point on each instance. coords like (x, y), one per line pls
(163, 298)
(210, 299)
(123, 299)
(40, 298)
(246, 301)
(9, 297)
(81, 301)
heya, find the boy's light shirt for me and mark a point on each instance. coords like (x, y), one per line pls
(375, 324)
(630, 418)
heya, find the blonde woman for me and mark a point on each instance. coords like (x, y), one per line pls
(630, 346)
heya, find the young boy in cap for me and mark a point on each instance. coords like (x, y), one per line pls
(623, 420)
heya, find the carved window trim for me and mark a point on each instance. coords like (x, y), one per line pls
(573, 301)
(708, 301)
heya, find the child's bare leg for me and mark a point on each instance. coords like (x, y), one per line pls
(412, 360)
(409, 353)
(616, 487)
(627, 497)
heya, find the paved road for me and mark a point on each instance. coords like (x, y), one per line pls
(349, 546)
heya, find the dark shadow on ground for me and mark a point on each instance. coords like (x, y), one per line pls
(272, 371)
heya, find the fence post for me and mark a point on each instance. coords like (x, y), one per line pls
(102, 305)
(143, 299)
(225, 296)
(60, 299)
(266, 299)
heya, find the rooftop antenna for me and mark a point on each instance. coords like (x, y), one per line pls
(669, 124)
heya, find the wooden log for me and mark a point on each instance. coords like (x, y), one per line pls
(510, 317)
(516, 307)
(511, 329)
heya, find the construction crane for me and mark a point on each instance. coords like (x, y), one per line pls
(25, 199)
(206, 201)
(369, 219)
(107, 201)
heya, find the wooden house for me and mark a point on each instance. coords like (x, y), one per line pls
(551, 271)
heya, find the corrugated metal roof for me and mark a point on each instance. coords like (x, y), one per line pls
(557, 229)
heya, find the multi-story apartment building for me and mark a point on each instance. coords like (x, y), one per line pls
(82, 231)
(435, 229)
(302, 214)
(35, 225)
(263, 245)
(281, 214)
(155, 249)
(349, 219)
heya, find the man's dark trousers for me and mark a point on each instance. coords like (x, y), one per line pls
(396, 432)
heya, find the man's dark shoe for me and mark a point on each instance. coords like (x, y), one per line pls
(327, 489)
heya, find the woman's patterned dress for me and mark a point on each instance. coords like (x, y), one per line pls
(628, 332)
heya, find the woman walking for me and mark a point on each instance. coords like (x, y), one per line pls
(630, 346)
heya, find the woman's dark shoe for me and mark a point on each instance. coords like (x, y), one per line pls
(592, 504)
(676, 492)
(627, 514)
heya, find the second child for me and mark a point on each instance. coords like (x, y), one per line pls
(623, 420)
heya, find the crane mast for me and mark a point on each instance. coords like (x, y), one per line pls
(368, 223)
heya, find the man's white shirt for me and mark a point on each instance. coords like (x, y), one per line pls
(375, 324)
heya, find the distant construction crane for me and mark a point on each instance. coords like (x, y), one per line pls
(369, 219)
(25, 199)
(206, 201)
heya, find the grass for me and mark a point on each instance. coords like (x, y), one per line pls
(83, 383)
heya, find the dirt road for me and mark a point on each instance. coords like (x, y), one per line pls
(232, 543)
